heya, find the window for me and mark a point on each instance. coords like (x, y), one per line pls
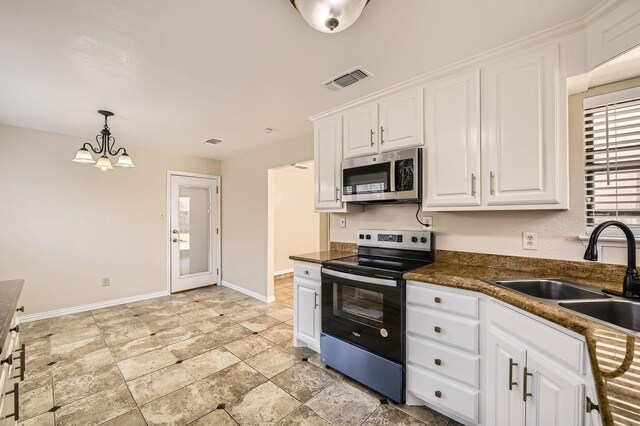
(612, 158)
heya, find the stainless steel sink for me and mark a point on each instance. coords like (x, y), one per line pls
(549, 289)
(618, 312)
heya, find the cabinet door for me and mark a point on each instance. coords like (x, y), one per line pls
(452, 130)
(360, 133)
(401, 120)
(556, 396)
(505, 363)
(307, 315)
(328, 161)
(524, 133)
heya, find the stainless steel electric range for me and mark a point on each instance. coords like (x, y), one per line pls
(363, 308)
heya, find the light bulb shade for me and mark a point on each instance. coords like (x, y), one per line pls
(330, 16)
(83, 156)
(124, 161)
(104, 163)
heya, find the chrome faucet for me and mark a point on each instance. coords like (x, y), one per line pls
(631, 283)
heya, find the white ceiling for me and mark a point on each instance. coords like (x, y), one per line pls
(178, 73)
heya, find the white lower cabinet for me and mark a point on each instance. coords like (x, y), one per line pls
(307, 308)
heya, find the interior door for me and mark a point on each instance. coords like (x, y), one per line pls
(194, 232)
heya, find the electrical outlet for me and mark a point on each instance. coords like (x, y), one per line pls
(106, 281)
(530, 241)
(343, 222)
(428, 223)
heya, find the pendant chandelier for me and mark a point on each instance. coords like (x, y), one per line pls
(105, 148)
(330, 16)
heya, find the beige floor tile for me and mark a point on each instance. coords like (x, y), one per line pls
(260, 323)
(226, 335)
(232, 382)
(82, 365)
(284, 314)
(159, 383)
(215, 418)
(131, 418)
(35, 330)
(266, 404)
(180, 407)
(387, 415)
(303, 380)
(185, 307)
(157, 315)
(200, 315)
(273, 361)
(79, 386)
(45, 419)
(146, 363)
(132, 331)
(302, 352)
(166, 323)
(205, 364)
(207, 326)
(125, 317)
(75, 350)
(96, 408)
(175, 335)
(69, 336)
(344, 404)
(279, 334)
(303, 416)
(189, 348)
(35, 402)
(243, 314)
(66, 324)
(38, 352)
(35, 378)
(223, 307)
(135, 347)
(249, 346)
(424, 414)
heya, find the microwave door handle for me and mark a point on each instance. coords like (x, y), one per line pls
(392, 178)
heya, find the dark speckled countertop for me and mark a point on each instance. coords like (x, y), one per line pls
(321, 256)
(9, 295)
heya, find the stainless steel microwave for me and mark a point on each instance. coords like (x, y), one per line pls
(390, 177)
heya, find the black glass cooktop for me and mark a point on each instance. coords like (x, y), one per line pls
(375, 266)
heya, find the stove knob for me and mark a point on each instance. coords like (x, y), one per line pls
(361, 236)
(423, 239)
(368, 237)
(414, 239)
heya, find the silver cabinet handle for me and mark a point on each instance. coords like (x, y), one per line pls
(437, 361)
(315, 299)
(492, 176)
(437, 329)
(511, 365)
(371, 137)
(473, 184)
(337, 194)
(437, 299)
(438, 394)
(525, 394)
(306, 272)
(381, 135)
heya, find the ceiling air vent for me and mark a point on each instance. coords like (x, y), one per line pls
(347, 79)
(213, 141)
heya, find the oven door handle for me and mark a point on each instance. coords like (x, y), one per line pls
(360, 278)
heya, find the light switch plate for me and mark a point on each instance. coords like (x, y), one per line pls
(343, 222)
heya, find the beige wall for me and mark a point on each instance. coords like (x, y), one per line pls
(296, 226)
(66, 225)
(245, 211)
(501, 232)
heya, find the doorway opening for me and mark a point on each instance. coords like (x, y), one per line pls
(294, 226)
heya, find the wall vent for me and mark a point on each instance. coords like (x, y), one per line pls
(213, 141)
(347, 79)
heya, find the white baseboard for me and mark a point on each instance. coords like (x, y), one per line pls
(282, 272)
(250, 293)
(91, 307)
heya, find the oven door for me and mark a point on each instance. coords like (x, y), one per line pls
(365, 311)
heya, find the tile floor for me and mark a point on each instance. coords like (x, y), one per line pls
(283, 288)
(207, 357)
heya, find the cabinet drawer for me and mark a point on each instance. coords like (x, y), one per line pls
(439, 391)
(552, 342)
(442, 300)
(440, 359)
(307, 270)
(443, 328)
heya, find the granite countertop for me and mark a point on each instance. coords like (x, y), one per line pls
(9, 295)
(321, 256)
(615, 355)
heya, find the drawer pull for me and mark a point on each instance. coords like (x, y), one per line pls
(315, 299)
(16, 328)
(511, 365)
(306, 272)
(525, 394)
(437, 300)
(438, 394)
(437, 329)
(8, 360)
(20, 309)
(438, 361)
(23, 361)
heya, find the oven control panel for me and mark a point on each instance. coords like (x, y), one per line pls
(408, 240)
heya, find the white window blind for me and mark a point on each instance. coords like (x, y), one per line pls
(612, 158)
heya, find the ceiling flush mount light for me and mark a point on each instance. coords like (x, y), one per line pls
(105, 147)
(330, 16)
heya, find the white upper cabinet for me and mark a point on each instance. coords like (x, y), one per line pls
(360, 133)
(328, 161)
(452, 148)
(615, 33)
(524, 130)
(401, 122)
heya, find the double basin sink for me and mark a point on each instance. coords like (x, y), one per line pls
(591, 303)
